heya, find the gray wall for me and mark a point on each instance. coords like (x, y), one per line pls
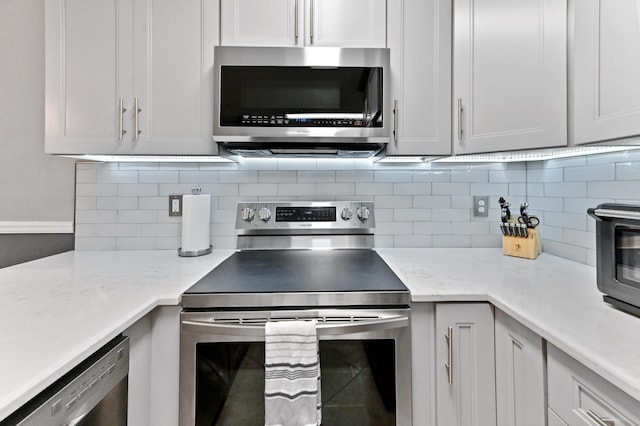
(33, 186)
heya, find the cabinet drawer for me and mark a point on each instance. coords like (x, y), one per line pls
(579, 396)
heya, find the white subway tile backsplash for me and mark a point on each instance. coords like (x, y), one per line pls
(194, 177)
(471, 175)
(392, 176)
(96, 216)
(125, 205)
(626, 171)
(393, 201)
(96, 189)
(432, 201)
(411, 188)
(411, 215)
(432, 228)
(137, 216)
(117, 203)
(566, 189)
(159, 176)
(452, 215)
(137, 243)
(117, 176)
(591, 173)
(138, 189)
(452, 241)
(614, 189)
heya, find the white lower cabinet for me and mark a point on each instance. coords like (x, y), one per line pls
(520, 372)
(580, 397)
(464, 364)
(154, 359)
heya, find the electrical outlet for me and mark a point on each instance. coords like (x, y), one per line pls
(480, 205)
(175, 205)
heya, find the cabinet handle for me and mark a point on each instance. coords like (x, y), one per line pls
(395, 121)
(137, 110)
(447, 365)
(311, 22)
(122, 131)
(296, 19)
(460, 109)
(599, 420)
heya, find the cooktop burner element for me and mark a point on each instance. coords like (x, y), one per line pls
(301, 254)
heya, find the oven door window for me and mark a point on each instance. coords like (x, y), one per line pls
(301, 96)
(628, 255)
(357, 383)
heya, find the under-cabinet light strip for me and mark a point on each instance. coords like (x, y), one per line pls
(152, 158)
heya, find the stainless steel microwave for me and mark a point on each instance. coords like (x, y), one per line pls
(310, 100)
(618, 254)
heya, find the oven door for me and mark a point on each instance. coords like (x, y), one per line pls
(365, 364)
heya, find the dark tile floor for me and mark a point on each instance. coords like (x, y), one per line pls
(349, 393)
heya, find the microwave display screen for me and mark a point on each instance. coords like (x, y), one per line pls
(272, 96)
(628, 255)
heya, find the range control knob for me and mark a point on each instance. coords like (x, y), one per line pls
(264, 214)
(248, 214)
(346, 213)
(363, 214)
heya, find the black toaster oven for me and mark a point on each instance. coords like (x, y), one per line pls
(618, 254)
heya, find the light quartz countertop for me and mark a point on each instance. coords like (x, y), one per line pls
(56, 311)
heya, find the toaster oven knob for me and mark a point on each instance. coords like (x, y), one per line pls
(346, 213)
(264, 214)
(248, 214)
(363, 214)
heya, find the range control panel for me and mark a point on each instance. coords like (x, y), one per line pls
(293, 218)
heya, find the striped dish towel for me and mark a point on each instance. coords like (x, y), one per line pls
(292, 374)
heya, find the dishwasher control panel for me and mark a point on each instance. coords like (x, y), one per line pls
(78, 392)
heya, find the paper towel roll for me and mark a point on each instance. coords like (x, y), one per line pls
(195, 223)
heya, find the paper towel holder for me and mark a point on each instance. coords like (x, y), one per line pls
(194, 253)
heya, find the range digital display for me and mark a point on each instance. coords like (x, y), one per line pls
(305, 214)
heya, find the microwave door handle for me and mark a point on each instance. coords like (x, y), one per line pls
(616, 214)
(321, 329)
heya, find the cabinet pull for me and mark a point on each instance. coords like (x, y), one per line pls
(311, 22)
(137, 111)
(122, 131)
(395, 121)
(460, 109)
(599, 420)
(296, 19)
(447, 365)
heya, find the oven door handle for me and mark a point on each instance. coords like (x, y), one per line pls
(614, 214)
(322, 329)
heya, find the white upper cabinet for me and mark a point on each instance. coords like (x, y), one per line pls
(465, 366)
(419, 37)
(509, 75)
(129, 77)
(606, 66)
(342, 23)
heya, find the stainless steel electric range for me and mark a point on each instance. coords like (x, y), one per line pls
(296, 261)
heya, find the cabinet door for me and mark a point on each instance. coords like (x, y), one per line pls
(580, 397)
(520, 371)
(352, 23)
(606, 54)
(509, 75)
(88, 59)
(174, 77)
(465, 368)
(261, 22)
(419, 36)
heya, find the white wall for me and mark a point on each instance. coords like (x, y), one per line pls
(33, 186)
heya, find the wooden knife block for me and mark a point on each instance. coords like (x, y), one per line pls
(528, 248)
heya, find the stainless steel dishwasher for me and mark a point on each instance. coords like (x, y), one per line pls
(94, 393)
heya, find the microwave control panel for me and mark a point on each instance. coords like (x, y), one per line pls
(281, 120)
